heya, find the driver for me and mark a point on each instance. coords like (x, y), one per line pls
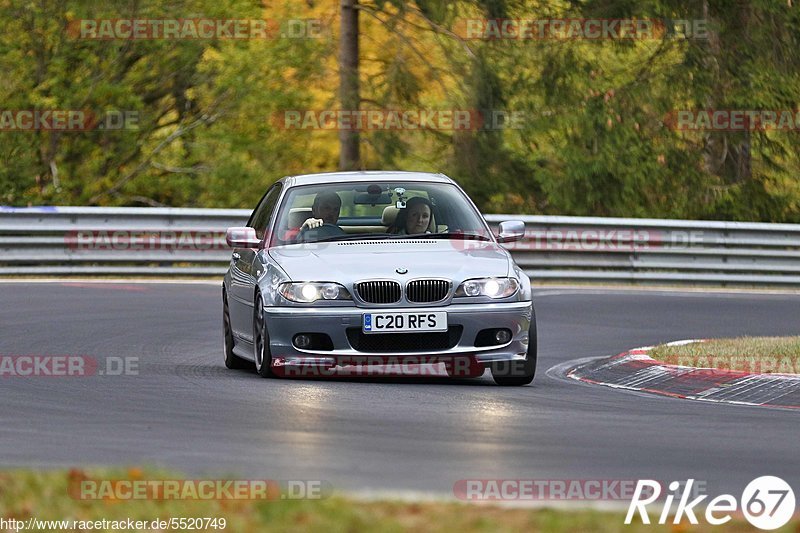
(325, 211)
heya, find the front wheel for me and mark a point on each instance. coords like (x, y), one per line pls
(517, 373)
(262, 354)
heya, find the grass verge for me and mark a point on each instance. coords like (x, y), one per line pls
(50, 496)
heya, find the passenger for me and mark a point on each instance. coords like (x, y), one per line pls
(414, 219)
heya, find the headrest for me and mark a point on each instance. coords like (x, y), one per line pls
(389, 215)
(298, 215)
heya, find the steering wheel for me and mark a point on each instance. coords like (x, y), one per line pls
(333, 229)
(322, 232)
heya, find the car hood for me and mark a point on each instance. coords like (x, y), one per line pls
(349, 261)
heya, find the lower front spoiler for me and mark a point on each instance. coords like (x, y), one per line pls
(370, 360)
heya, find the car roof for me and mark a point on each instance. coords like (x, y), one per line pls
(364, 176)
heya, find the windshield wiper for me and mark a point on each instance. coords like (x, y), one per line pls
(380, 236)
(351, 237)
(446, 235)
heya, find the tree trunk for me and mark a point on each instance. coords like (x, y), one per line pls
(349, 156)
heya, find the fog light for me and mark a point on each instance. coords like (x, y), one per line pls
(302, 341)
(502, 336)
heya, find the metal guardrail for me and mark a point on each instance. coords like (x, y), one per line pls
(661, 251)
(185, 241)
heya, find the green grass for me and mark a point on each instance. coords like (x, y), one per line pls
(747, 354)
(45, 496)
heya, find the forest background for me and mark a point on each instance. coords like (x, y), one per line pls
(570, 125)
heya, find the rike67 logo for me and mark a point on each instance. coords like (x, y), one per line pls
(767, 503)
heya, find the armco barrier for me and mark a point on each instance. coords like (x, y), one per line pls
(187, 241)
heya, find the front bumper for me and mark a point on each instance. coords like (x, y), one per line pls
(283, 323)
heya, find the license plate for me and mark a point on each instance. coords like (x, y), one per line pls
(404, 322)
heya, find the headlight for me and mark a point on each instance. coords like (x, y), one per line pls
(491, 287)
(310, 291)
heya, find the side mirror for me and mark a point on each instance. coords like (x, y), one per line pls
(242, 238)
(511, 230)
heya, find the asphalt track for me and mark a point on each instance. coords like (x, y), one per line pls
(185, 411)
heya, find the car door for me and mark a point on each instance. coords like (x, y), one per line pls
(244, 267)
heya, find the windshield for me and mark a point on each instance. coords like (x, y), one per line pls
(376, 210)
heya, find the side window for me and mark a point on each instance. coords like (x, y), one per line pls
(262, 215)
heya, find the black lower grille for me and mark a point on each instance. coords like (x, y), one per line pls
(404, 342)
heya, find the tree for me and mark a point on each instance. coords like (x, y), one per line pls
(349, 158)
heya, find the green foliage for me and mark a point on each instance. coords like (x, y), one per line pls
(203, 134)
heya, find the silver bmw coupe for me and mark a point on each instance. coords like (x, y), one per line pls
(360, 268)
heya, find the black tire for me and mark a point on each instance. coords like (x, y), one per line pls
(261, 351)
(232, 360)
(518, 373)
